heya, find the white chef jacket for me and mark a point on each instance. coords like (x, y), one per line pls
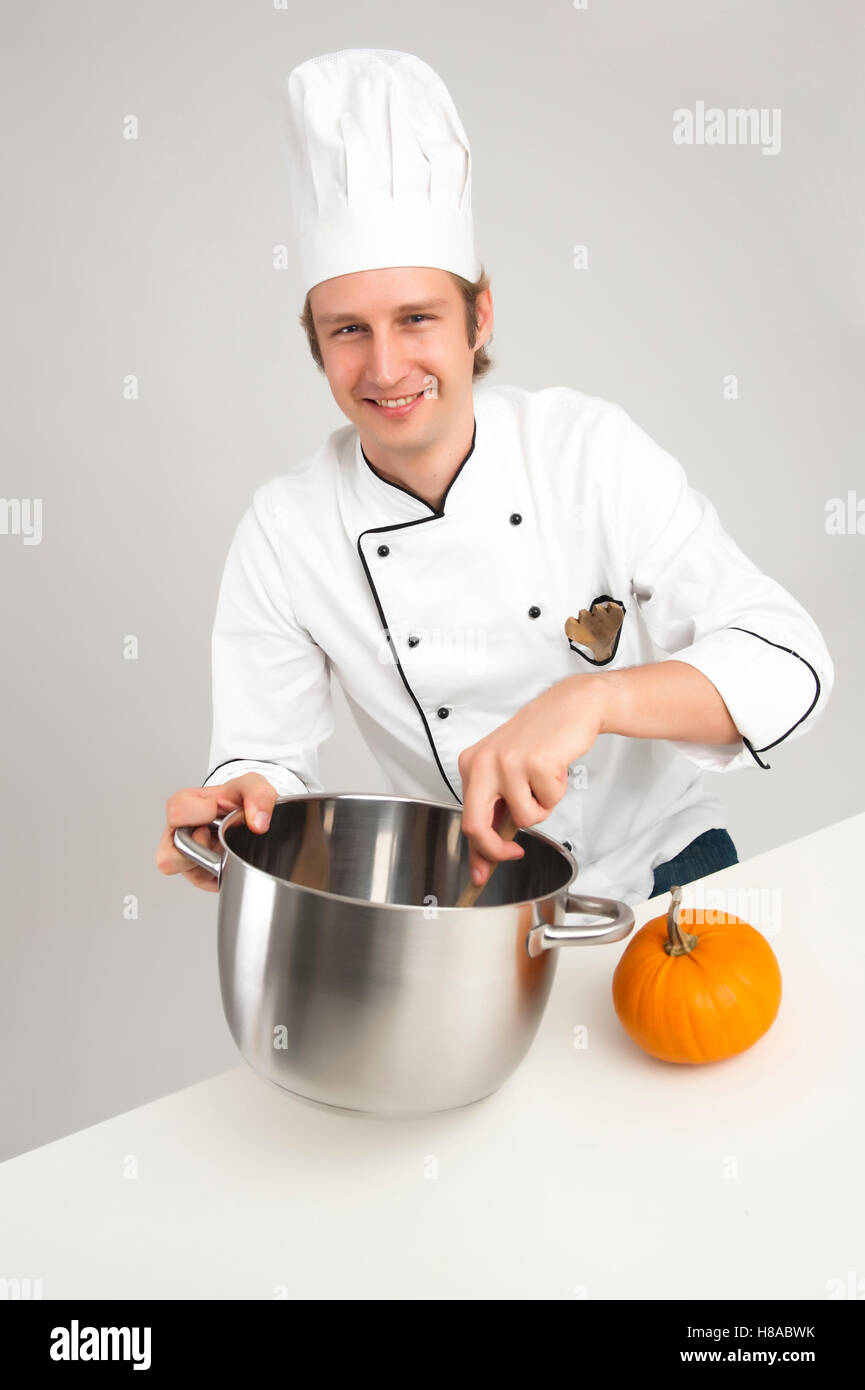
(441, 623)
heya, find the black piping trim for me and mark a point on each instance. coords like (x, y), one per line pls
(402, 526)
(399, 487)
(269, 762)
(602, 598)
(435, 512)
(755, 751)
(758, 761)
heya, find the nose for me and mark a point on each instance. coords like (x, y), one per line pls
(387, 362)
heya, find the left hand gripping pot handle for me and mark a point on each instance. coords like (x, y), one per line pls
(207, 858)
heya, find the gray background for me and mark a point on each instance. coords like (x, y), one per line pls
(154, 257)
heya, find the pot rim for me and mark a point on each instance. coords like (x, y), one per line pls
(238, 814)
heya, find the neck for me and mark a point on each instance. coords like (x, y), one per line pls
(428, 470)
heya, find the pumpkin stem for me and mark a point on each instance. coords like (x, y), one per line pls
(679, 942)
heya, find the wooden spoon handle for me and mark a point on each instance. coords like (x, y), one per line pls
(468, 897)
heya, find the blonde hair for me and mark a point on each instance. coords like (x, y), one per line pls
(470, 290)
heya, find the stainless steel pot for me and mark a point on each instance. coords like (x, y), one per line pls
(348, 975)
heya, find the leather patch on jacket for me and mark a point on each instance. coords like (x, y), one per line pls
(598, 627)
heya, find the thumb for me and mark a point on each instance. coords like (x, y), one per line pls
(257, 797)
(258, 817)
(258, 806)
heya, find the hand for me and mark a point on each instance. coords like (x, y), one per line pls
(524, 763)
(199, 806)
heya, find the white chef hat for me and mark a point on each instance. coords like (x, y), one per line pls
(379, 166)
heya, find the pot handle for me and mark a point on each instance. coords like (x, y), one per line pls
(545, 936)
(207, 858)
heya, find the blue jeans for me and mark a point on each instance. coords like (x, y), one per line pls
(710, 851)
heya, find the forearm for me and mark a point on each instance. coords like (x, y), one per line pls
(667, 699)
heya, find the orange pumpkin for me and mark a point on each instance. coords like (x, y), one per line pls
(699, 995)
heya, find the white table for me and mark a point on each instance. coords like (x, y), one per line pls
(595, 1172)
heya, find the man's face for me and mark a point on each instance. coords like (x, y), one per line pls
(395, 333)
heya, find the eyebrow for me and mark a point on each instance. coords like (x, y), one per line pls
(400, 309)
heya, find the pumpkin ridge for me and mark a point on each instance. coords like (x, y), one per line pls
(650, 971)
(751, 981)
(750, 1020)
(724, 1016)
(660, 994)
(696, 1047)
(714, 933)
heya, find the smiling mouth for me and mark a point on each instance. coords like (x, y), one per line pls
(390, 403)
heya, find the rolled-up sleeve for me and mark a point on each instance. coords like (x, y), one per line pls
(707, 604)
(272, 705)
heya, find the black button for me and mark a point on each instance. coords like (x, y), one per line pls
(384, 550)
(413, 641)
(515, 518)
(534, 611)
(443, 712)
(566, 844)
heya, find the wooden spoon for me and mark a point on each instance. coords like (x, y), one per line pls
(468, 897)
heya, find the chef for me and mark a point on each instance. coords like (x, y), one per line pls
(526, 605)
